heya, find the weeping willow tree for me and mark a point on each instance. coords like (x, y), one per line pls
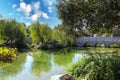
(11, 31)
(60, 34)
(2, 25)
(40, 33)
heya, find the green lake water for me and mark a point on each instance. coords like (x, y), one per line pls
(42, 65)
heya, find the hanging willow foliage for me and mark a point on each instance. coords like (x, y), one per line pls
(60, 34)
(40, 32)
(12, 31)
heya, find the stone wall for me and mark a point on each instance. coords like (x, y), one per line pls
(107, 41)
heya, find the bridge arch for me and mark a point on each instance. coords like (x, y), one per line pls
(86, 45)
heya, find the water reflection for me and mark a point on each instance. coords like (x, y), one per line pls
(102, 50)
(49, 64)
(41, 65)
(77, 57)
(25, 74)
(54, 69)
(41, 62)
(63, 59)
(11, 69)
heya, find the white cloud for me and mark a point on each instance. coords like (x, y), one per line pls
(51, 4)
(25, 8)
(28, 18)
(34, 17)
(21, 0)
(32, 11)
(44, 15)
(28, 24)
(50, 9)
(14, 5)
(36, 6)
(39, 14)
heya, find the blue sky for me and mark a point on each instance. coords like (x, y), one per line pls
(29, 11)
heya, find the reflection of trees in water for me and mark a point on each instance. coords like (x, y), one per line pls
(63, 57)
(11, 69)
(41, 62)
(102, 50)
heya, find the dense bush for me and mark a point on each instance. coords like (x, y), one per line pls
(7, 54)
(51, 45)
(114, 46)
(61, 35)
(12, 33)
(97, 67)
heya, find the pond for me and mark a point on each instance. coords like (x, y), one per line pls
(42, 65)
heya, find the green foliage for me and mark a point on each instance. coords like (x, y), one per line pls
(116, 32)
(2, 24)
(57, 37)
(12, 31)
(114, 45)
(100, 45)
(40, 32)
(60, 34)
(97, 16)
(7, 54)
(97, 67)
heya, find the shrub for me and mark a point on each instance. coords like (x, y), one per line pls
(97, 67)
(7, 54)
(114, 46)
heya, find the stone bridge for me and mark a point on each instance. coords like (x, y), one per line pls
(93, 41)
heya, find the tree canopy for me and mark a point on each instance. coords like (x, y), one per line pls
(97, 16)
(12, 31)
(61, 34)
(40, 32)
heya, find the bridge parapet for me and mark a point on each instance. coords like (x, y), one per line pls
(95, 40)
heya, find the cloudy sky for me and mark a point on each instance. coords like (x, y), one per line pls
(29, 11)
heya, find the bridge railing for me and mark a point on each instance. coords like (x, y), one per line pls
(98, 39)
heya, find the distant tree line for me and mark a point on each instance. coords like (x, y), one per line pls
(79, 17)
(14, 34)
(45, 37)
